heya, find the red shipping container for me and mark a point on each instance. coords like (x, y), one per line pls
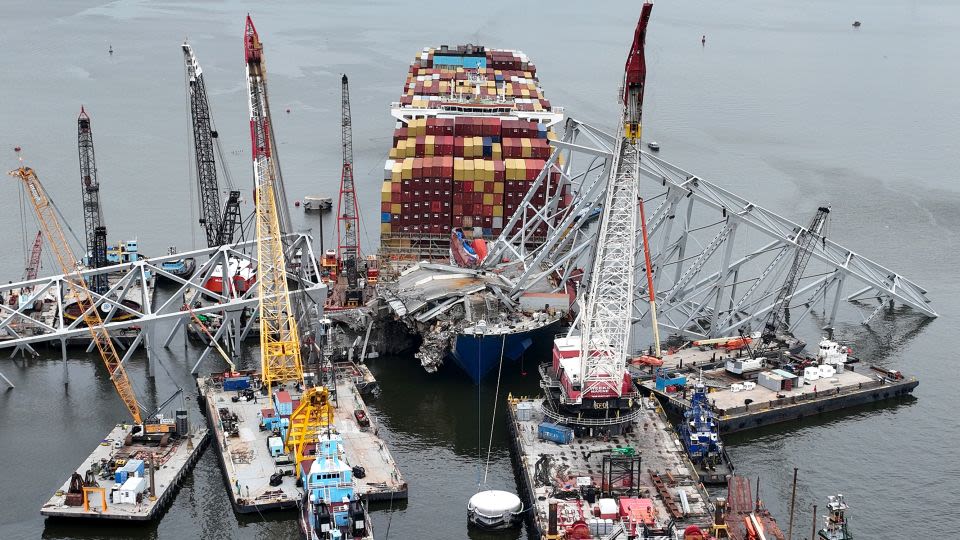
(487, 222)
(467, 187)
(458, 208)
(458, 197)
(435, 206)
(488, 210)
(498, 198)
(385, 207)
(395, 187)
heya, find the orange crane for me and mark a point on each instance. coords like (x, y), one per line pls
(72, 278)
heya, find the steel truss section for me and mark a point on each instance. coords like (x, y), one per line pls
(719, 259)
(526, 262)
(23, 328)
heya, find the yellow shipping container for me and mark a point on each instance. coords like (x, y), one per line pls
(478, 186)
(488, 167)
(407, 173)
(488, 198)
(497, 151)
(525, 147)
(508, 169)
(498, 211)
(498, 187)
(385, 228)
(385, 194)
(458, 169)
(394, 153)
(397, 173)
(429, 140)
(468, 173)
(396, 208)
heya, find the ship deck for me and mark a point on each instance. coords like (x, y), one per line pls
(653, 439)
(248, 465)
(173, 463)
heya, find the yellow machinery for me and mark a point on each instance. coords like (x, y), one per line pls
(314, 414)
(279, 339)
(74, 281)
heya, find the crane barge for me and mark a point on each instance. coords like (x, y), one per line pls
(134, 472)
(625, 471)
(284, 439)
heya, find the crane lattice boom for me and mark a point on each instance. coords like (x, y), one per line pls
(68, 263)
(777, 320)
(279, 340)
(219, 227)
(347, 220)
(605, 328)
(96, 232)
(33, 266)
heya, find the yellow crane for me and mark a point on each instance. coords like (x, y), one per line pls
(74, 280)
(279, 338)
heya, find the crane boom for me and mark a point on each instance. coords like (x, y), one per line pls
(219, 227)
(33, 265)
(348, 245)
(279, 341)
(96, 232)
(57, 242)
(777, 318)
(605, 329)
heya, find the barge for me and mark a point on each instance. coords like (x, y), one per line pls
(248, 428)
(778, 390)
(133, 474)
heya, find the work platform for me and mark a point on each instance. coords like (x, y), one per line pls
(551, 472)
(248, 466)
(760, 406)
(129, 499)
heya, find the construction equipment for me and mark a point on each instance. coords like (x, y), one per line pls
(348, 244)
(778, 319)
(51, 228)
(96, 231)
(279, 338)
(605, 325)
(219, 225)
(33, 265)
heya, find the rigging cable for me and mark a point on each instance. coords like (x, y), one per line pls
(496, 399)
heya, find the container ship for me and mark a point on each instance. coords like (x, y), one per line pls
(473, 132)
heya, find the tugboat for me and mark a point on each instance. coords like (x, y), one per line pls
(182, 268)
(835, 526)
(700, 433)
(330, 510)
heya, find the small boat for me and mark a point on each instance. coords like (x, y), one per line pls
(654, 146)
(835, 525)
(330, 509)
(182, 268)
(856, 24)
(317, 203)
(700, 434)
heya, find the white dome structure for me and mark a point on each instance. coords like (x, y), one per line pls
(494, 509)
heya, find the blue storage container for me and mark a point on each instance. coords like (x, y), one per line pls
(120, 476)
(541, 131)
(553, 432)
(385, 217)
(236, 383)
(134, 467)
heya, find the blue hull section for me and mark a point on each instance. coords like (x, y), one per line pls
(478, 356)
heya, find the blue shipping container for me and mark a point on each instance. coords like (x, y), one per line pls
(134, 467)
(236, 383)
(120, 476)
(385, 217)
(555, 433)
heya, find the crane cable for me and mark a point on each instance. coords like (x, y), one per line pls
(496, 398)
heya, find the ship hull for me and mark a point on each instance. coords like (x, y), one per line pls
(477, 356)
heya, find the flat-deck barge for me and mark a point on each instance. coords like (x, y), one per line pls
(118, 482)
(740, 407)
(640, 480)
(258, 481)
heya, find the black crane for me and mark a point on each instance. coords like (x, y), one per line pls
(96, 231)
(348, 245)
(778, 319)
(220, 225)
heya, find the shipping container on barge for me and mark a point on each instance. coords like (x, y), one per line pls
(133, 474)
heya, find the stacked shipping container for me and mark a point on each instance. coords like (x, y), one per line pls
(465, 157)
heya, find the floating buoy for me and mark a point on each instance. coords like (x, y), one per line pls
(296, 203)
(288, 111)
(494, 509)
